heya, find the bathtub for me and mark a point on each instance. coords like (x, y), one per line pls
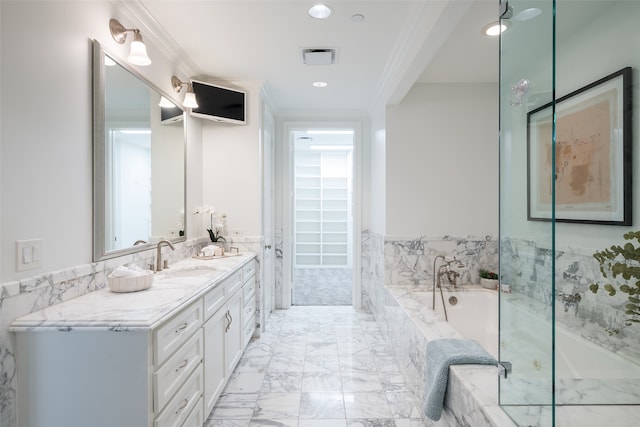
(472, 313)
(586, 373)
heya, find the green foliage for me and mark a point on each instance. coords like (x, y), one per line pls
(619, 263)
(486, 274)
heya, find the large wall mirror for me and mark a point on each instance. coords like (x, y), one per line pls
(138, 161)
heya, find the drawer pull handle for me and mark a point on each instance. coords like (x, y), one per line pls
(182, 405)
(249, 309)
(182, 327)
(184, 363)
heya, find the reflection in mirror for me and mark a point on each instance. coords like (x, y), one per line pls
(138, 162)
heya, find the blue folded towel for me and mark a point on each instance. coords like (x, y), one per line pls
(442, 353)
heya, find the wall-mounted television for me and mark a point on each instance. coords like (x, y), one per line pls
(170, 114)
(219, 103)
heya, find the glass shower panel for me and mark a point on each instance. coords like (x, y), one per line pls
(597, 355)
(526, 208)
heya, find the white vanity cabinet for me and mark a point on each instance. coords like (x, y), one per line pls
(178, 380)
(222, 336)
(84, 376)
(79, 364)
(249, 302)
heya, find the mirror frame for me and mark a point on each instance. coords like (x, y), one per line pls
(99, 145)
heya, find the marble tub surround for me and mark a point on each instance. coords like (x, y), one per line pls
(409, 260)
(472, 395)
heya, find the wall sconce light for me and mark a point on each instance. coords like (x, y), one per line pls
(138, 54)
(189, 97)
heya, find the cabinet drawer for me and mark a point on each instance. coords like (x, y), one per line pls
(183, 402)
(249, 269)
(196, 417)
(169, 378)
(249, 309)
(170, 336)
(249, 289)
(233, 283)
(213, 300)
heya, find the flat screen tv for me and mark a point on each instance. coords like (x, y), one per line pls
(219, 103)
(170, 114)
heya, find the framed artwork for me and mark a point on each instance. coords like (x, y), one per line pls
(589, 172)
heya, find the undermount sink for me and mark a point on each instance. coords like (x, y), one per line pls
(186, 272)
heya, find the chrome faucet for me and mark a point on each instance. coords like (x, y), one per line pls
(159, 253)
(451, 275)
(570, 300)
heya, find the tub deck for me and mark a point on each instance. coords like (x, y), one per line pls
(472, 397)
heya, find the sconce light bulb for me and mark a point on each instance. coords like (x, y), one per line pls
(190, 100)
(138, 54)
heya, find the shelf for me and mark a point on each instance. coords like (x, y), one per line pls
(321, 209)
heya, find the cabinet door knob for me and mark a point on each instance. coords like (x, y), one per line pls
(267, 246)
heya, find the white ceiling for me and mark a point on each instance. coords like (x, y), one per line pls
(261, 40)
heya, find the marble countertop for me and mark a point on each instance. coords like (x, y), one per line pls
(104, 309)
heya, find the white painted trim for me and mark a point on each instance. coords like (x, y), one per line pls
(153, 32)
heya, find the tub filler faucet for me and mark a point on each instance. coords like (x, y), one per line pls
(570, 300)
(444, 271)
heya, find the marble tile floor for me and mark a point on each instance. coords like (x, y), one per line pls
(322, 286)
(317, 366)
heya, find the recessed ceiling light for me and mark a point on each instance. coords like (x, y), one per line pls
(357, 17)
(526, 14)
(320, 84)
(495, 28)
(320, 11)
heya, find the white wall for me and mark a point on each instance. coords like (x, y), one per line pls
(231, 168)
(442, 161)
(375, 172)
(46, 129)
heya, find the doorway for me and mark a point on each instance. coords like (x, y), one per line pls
(322, 216)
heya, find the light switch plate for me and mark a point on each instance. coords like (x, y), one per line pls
(28, 254)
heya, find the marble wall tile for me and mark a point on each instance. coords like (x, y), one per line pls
(372, 270)
(529, 272)
(409, 261)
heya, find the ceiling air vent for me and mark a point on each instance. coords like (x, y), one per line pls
(319, 56)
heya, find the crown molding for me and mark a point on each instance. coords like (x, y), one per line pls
(154, 33)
